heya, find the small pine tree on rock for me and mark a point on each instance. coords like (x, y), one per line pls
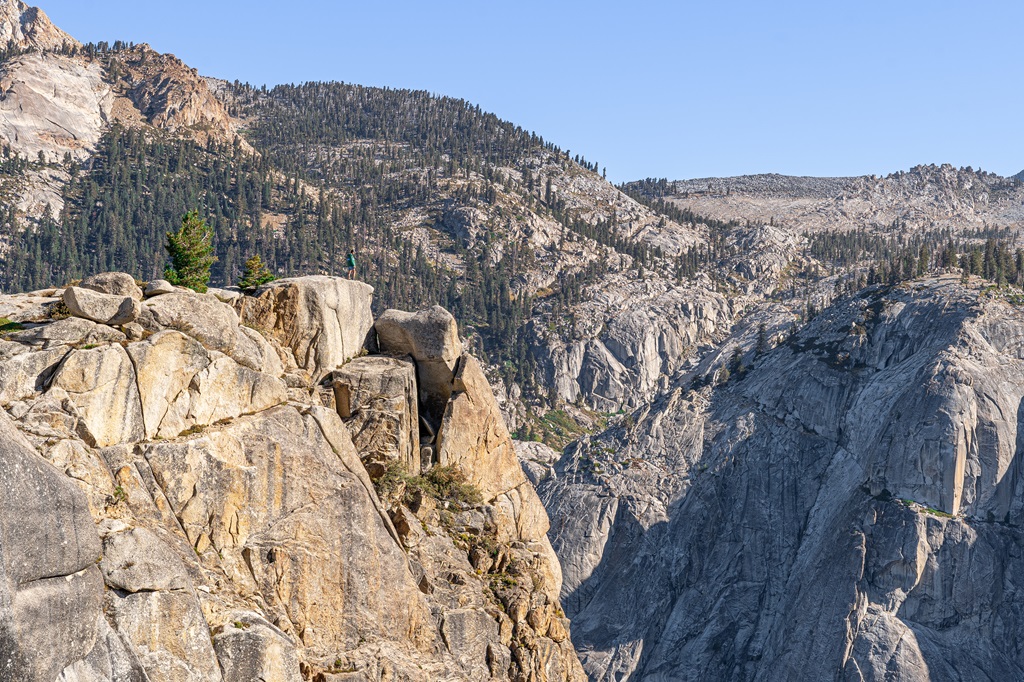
(191, 252)
(256, 273)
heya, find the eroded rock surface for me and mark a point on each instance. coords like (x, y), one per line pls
(177, 512)
(828, 515)
(378, 399)
(319, 322)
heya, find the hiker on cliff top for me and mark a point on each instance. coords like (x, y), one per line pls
(350, 264)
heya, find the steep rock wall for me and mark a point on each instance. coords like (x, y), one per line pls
(182, 503)
(849, 508)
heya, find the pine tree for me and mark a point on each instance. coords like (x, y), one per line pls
(256, 273)
(191, 252)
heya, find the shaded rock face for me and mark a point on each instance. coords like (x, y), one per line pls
(171, 510)
(848, 509)
(627, 341)
(377, 398)
(50, 586)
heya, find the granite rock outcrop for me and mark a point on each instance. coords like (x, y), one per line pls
(194, 500)
(847, 508)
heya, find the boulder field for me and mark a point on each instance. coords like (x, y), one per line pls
(269, 487)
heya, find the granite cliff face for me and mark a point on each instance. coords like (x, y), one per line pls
(25, 27)
(185, 497)
(849, 507)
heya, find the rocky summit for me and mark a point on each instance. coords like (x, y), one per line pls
(272, 486)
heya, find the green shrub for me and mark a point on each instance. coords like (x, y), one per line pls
(446, 483)
(443, 483)
(7, 326)
(256, 274)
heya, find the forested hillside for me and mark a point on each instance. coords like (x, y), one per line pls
(335, 166)
(444, 203)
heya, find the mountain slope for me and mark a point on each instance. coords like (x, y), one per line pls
(744, 370)
(923, 198)
(834, 508)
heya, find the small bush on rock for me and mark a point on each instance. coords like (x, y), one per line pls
(448, 484)
(7, 326)
(443, 483)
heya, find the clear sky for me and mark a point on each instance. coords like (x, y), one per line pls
(676, 89)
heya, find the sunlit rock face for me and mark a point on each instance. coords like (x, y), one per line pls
(183, 499)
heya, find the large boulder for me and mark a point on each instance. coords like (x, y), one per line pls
(159, 287)
(51, 591)
(249, 648)
(114, 283)
(321, 321)
(224, 390)
(102, 308)
(431, 337)
(376, 396)
(102, 384)
(211, 322)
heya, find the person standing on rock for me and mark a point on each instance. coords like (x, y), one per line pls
(350, 264)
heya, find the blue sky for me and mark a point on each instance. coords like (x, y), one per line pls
(675, 89)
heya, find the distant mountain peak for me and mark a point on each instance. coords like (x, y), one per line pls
(29, 27)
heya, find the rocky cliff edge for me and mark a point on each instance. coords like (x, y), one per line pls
(232, 487)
